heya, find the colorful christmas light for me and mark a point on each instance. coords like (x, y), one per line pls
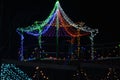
(57, 18)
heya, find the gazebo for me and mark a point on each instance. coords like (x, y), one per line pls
(57, 24)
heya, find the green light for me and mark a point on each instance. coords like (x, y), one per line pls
(119, 45)
(57, 37)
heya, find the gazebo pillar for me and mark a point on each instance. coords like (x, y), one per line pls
(78, 43)
(57, 36)
(21, 47)
(92, 46)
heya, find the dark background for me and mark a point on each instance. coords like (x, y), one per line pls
(20, 13)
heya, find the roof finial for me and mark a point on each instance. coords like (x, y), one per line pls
(57, 0)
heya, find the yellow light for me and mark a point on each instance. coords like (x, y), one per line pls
(44, 76)
(37, 67)
(47, 78)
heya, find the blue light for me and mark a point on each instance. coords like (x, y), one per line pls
(10, 72)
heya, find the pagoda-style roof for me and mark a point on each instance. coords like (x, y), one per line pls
(57, 20)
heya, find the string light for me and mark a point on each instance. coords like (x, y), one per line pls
(112, 75)
(39, 74)
(9, 71)
(108, 51)
(40, 28)
(80, 74)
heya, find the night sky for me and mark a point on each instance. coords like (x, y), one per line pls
(20, 13)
